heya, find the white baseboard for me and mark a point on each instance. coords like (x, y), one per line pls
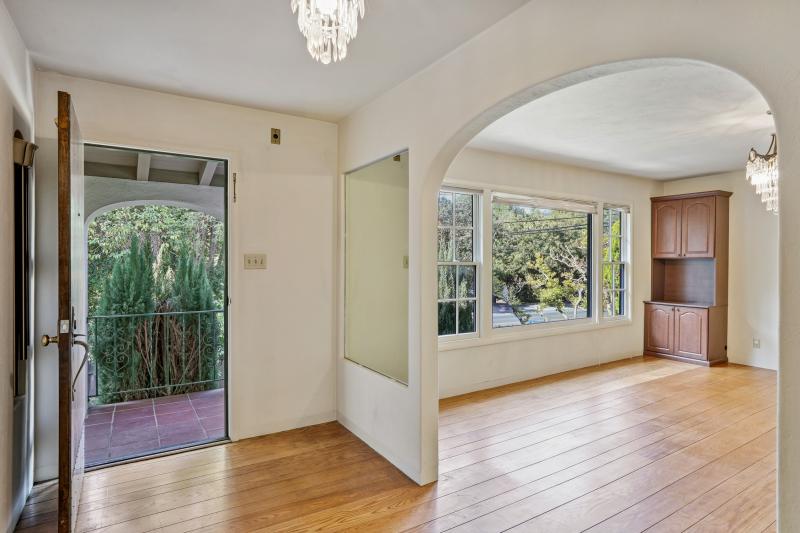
(466, 388)
(238, 433)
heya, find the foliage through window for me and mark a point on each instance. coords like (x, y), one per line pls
(541, 262)
(615, 261)
(156, 293)
(458, 262)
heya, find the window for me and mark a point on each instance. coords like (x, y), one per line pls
(615, 261)
(541, 260)
(458, 262)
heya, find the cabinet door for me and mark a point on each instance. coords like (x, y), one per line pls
(659, 328)
(698, 227)
(667, 228)
(691, 332)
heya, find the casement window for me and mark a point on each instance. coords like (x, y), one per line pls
(458, 261)
(541, 260)
(615, 261)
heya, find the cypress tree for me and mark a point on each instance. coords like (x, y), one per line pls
(121, 356)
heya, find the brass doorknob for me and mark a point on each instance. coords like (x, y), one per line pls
(47, 340)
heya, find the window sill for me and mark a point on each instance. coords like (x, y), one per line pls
(531, 332)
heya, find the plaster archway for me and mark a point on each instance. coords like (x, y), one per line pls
(99, 211)
(104, 194)
(437, 111)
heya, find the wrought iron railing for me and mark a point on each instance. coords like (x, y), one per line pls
(147, 355)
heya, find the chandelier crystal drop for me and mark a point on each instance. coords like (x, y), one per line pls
(328, 26)
(762, 173)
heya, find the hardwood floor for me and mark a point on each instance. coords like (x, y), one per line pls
(644, 444)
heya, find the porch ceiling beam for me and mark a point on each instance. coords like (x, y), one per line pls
(143, 167)
(207, 170)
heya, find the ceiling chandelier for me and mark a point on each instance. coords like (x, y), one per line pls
(762, 173)
(328, 26)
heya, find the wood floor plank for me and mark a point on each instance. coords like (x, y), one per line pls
(633, 445)
(658, 401)
(597, 471)
(597, 492)
(698, 509)
(651, 510)
(751, 510)
(567, 409)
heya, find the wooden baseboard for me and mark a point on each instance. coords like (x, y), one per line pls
(701, 362)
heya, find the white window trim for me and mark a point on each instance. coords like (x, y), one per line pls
(477, 255)
(487, 334)
(627, 239)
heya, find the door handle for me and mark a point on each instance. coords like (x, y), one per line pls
(47, 340)
(83, 363)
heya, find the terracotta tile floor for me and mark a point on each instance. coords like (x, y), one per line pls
(141, 427)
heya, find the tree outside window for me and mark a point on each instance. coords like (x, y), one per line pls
(540, 264)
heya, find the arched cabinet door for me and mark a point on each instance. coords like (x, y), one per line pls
(691, 332)
(698, 227)
(666, 229)
(659, 328)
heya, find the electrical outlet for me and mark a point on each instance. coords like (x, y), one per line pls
(275, 136)
(756, 343)
(255, 261)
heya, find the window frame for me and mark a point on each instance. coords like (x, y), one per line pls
(477, 255)
(485, 333)
(590, 260)
(625, 262)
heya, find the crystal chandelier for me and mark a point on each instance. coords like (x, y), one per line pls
(762, 173)
(328, 26)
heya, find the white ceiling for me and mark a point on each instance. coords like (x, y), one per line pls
(662, 122)
(247, 52)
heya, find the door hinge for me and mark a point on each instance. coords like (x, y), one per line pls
(234, 187)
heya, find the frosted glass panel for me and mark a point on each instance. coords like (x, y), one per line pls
(376, 267)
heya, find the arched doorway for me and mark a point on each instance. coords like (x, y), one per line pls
(483, 434)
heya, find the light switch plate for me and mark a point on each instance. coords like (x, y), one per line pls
(255, 261)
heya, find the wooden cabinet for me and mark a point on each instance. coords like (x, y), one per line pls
(677, 331)
(686, 319)
(691, 332)
(684, 227)
(659, 327)
(698, 224)
(666, 223)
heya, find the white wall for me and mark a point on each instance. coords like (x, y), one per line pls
(16, 112)
(282, 363)
(543, 46)
(376, 305)
(753, 269)
(479, 364)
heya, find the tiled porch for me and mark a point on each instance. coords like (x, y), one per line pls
(123, 430)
